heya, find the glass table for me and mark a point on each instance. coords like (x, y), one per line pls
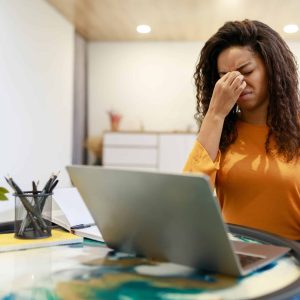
(93, 271)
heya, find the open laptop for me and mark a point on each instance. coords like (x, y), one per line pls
(169, 217)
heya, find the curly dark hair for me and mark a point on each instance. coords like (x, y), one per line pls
(281, 67)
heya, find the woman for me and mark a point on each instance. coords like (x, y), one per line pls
(249, 138)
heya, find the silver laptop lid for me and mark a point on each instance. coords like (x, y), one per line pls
(171, 217)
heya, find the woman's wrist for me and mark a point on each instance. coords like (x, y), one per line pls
(214, 116)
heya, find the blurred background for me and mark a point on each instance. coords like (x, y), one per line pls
(80, 85)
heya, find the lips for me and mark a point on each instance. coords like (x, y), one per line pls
(244, 93)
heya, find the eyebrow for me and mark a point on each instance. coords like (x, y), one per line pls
(238, 68)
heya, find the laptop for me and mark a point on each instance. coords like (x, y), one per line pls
(167, 217)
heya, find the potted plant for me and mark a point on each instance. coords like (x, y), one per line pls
(3, 191)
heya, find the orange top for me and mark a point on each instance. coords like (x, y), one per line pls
(254, 189)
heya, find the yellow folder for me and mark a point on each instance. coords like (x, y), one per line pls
(8, 242)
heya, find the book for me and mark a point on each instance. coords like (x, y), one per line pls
(70, 212)
(92, 233)
(8, 242)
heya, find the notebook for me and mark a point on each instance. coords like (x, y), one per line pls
(70, 212)
(8, 242)
(169, 217)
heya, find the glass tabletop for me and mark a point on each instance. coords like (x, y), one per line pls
(93, 271)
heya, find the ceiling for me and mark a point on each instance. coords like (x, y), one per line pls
(172, 20)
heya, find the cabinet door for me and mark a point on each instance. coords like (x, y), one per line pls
(130, 139)
(174, 150)
(130, 150)
(134, 156)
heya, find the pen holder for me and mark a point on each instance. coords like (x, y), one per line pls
(33, 214)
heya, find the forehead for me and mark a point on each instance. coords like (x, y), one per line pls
(232, 58)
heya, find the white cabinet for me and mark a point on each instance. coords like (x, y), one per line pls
(174, 150)
(130, 139)
(130, 150)
(163, 152)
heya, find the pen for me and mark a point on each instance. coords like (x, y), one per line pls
(48, 184)
(48, 189)
(53, 186)
(35, 197)
(81, 226)
(34, 188)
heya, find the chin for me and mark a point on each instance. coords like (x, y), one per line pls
(246, 105)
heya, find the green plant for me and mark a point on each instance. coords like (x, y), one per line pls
(3, 191)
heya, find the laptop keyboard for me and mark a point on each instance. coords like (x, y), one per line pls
(248, 259)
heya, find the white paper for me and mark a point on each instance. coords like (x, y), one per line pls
(71, 204)
(90, 232)
(58, 216)
(69, 209)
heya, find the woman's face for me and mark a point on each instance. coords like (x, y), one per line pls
(254, 98)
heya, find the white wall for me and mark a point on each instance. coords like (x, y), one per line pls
(295, 48)
(149, 83)
(36, 92)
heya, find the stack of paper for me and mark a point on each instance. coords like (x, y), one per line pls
(70, 212)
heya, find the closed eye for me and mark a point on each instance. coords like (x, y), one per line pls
(247, 72)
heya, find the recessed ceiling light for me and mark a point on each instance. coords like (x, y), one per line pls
(143, 28)
(291, 28)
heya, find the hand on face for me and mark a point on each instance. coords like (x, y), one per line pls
(226, 93)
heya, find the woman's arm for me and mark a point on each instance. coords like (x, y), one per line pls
(204, 157)
(210, 134)
(226, 92)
